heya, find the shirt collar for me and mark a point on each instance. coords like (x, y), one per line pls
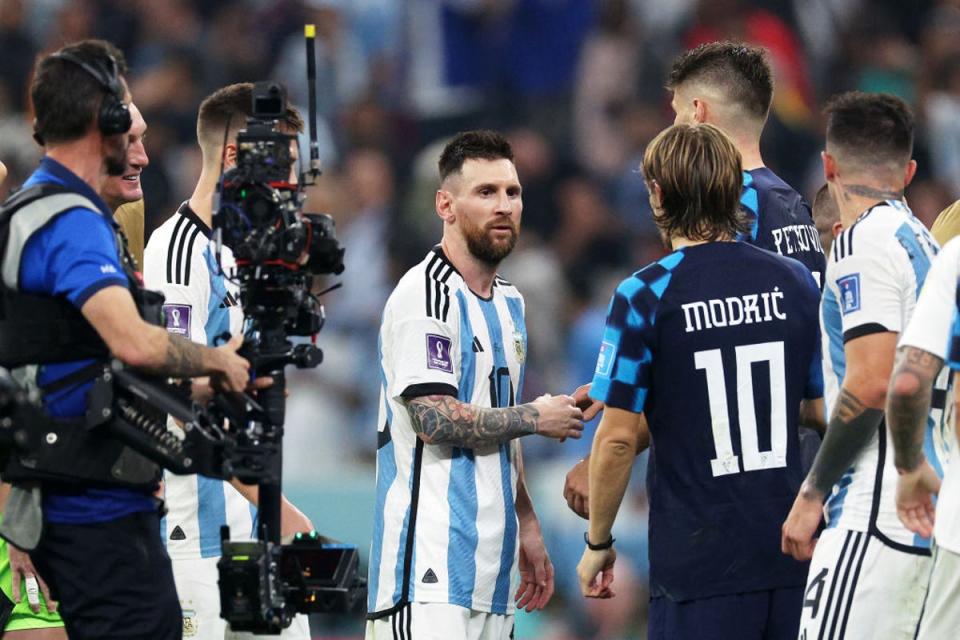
(73, 182)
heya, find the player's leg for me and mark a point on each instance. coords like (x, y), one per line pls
(422, 621)
(941, 612)
(199, 597)
(494, 626)
(831, 557)
(784, 617)
(741, 616)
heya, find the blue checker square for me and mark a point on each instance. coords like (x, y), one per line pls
(627, 371)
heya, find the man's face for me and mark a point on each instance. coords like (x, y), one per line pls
(125, 186)
(487, 204)
(683, 108)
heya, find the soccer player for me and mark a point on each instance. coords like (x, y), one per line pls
(730, 86)
(454, 520)
(717, 346)
(866, 559)
(947, 225)
(124, 194)
(916, 398)
(202, 304)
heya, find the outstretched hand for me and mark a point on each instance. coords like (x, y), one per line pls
(585, 403)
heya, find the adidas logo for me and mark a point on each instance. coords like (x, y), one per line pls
(178, 534)
(477, 347)
(430, 577)
(229, 300)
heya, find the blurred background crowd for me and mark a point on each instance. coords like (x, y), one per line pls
(578, 87)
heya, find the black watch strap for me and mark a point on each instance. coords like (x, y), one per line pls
(598, 547)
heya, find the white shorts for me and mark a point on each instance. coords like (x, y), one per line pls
(200, 600)
(858, 587)
(440, 621)
(941, 613)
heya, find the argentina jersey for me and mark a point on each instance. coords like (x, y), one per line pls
(717, 344)
(876, 269)
(445, 525)
(203, 306)
(780, 220)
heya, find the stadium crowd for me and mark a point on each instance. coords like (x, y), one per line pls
(577, 86)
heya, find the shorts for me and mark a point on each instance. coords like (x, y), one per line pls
(756, 615)
(859, 587)
(440, 621)
(941, 613)
(18, 615)
(200, 601)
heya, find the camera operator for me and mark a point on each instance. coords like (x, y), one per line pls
(99, 550)
(202, 304)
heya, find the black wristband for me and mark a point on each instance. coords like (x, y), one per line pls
(598, 547)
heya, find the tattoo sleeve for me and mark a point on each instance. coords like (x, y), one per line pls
(850, 429)
(908, 403)
(183, 358)
(446, 420)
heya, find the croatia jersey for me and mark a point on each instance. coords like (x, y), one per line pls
(930, 330)
(717, 344)
(876, 269)
(780, 220)
(201, 305)
(445, 526)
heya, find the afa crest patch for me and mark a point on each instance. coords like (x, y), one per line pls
(608, 352)
(849, 293)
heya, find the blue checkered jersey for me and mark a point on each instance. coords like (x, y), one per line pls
(75, 256)
(780, 220)
(717, 344)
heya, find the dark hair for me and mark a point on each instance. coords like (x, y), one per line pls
(875, 128)
(741, 71)
(230, 107)
(700, 175)
(66, 98)
(472, 145)
(824, 206)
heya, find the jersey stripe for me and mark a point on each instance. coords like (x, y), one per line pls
(853, 588)
(212, 513)
(515, 305)
(193, 238)
(172, 249)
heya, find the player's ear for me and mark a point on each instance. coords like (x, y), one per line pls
(910, 173)
(656, 195)
(444, 206)
(829, 166)
(229, 156)
(837, 228)
(699, 111)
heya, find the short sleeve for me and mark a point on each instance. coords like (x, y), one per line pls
(622, 376)
(424, 347)
(868, 288)
(929, 328)
(76, 256)
(185, 305)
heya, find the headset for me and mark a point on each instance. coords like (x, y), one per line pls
(114, 116)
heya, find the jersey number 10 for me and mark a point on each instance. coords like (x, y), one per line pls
(753, 459)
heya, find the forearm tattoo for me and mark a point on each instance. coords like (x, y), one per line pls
(850, 429)
(907, 412)
(865, 191)
(183, 358)
(446, 420)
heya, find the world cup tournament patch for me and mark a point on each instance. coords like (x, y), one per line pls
(438, 353)
(605, 359)
(849, 293)
(177, 319)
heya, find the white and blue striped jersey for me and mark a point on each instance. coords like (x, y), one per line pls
(874, 276)
(201, 305)
(930, 330)
(445, 527)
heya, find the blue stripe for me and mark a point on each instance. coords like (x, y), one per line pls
(516, 314)
(402, 542)
(501, 592)
(750, 201)
(462, 537)
(386, 474)
(163, 529)
(953, 352)
(832, 324)
(919, 259)
(835, 501)
(211, 514)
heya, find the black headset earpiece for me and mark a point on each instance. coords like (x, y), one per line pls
(114, 116)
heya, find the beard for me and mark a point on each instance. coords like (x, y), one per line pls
(484, 247)
(115, 155)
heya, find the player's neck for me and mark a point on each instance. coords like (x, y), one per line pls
(83, 157)
(477, 274)
(853, 199)
(678, 242)
(202, 199)
(751, 157)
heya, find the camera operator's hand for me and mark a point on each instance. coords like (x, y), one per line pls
(292, 520)
(232, 371)
(559, 417)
